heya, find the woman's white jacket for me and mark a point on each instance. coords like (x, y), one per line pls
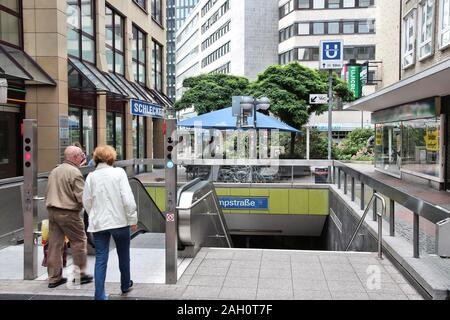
(108, 199)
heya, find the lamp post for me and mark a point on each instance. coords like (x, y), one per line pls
(244, 107)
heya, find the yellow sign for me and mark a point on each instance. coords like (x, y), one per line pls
(432, 139)
(379, 137)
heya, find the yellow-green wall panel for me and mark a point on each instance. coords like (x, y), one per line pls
(298, 201)
(318, 202)
(279, 201)
(161, 198)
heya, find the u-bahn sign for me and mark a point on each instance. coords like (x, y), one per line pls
(244, 203)
(331, 54)
(145, 109)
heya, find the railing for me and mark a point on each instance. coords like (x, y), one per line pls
(380, 222)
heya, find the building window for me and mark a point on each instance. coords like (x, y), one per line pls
(348, 27)
(216, 16)
(308, 54)
(409, 38)
(223, 50)
(303, 29)
(334, 4)
(10, 23)
(318, 28)
(225, 69)
(303, 4)
(333, 28)
(157, 66)
(115, 45)
(139, 137)
(208, 6)
(115, 133)
(157, 11)
(216, 35)
(349, 4)
(82, 128)
(81, 29)
(139, 56)
(426, 28)
(319, 4)
(444, 30)
(141, 3)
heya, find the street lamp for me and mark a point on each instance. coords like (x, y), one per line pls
(244, 107)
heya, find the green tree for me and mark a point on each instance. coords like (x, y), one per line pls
(211, 92)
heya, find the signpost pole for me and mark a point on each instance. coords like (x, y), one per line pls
(330, 113)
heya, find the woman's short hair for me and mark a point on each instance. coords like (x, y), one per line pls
(105, 154)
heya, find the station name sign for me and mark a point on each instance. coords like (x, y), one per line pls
(243, 203)
(145, 109)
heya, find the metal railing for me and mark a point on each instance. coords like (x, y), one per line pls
(380, 222)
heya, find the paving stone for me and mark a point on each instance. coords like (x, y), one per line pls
(270, 264)
(274, 294)
(275, 273)
(221, 255)
(328, 260)
(306, 285)
(398, 278)
(201, 292)
(275, 283)
(345, 286)
(215, 263)
(304, 259)
(383, 296)
(243, 273)
(341, 276)
(338, 268)
(276, 256)
(204, 271)
(248, 256)
(306, 266)
(185, 279)
(408, 289)
(339, 295)
(415, 297)
(311, 295)
(248, 264)
(311, 275)
(207, 281)
(233, 282)
(238, 293)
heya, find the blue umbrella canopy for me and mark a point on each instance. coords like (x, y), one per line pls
(224, 120)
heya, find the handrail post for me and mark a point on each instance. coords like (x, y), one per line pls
(353, 189)
(392, 218)
(339, 178)
(345, 182)
(380, 237)
(375, 206)
(362, 196)
(416, 243)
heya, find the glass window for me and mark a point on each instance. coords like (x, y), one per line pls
(334, 4)
(348, 27)
(319, 4)
(82, 128)
(157, 66)
(141, 3)
(365, 27)
(157, 11)
(421, 146)
(426, 28)
(318, 28)
(303, 28)
(349, 4)
(81, 29)
(10, 20)
(115, 133)
(333, 27)
(139, 137)
(388, 146)
(364, 3)
(444, 30)
(139, 56)
(115, 46)
(409, 38)
(303, 4)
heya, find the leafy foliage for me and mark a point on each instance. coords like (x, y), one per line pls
(211, 92)
(318, 145)
(355, 146)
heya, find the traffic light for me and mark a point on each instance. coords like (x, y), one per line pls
(28, 157)
(170, 144)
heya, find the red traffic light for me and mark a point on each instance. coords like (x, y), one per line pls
(27, 156)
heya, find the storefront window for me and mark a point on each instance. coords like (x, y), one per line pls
(81, 29)
(139, 137)
(10, 23)
(115, 132)
(421, 146)
(82, 129)
(388, 147)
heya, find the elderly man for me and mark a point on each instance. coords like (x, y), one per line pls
(64, 203)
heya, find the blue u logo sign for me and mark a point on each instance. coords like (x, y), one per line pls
(332, 53)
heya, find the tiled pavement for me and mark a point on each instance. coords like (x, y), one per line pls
(258, 274)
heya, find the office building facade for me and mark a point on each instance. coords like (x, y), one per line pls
(76, 66)
(227, 36)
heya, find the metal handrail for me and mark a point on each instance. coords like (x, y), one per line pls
(196, 203)
(380, 223)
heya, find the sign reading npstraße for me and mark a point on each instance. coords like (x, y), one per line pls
(145, 109)
(236, 203)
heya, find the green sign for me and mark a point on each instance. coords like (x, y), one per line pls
(354, 80)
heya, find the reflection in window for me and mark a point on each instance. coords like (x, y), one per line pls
(82, 128)
(157, 66)
(115, 133)
(10, 23)
(139, 137)
(388, 147)
(115, 46)
(139, 56)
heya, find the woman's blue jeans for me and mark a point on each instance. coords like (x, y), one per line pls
(122, 239)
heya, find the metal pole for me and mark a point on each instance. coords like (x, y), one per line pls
(392, 218)
(345, 183)
(362, 196)
(375, 208)
(339, 178)
(171, 199)
(416, 243)
(353, 189)
(330, 113)
(308, 146)
(29, 197)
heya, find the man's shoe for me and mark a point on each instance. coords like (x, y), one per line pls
(57, 284)
(85, 279)
(130, 288)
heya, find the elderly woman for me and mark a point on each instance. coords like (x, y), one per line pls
(110, 203)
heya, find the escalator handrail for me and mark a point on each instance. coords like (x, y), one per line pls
(139, 182)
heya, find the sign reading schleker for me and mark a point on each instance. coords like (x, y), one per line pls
(145, 109)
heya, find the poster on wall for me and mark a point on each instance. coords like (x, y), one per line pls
(432, 139)
(379, 137)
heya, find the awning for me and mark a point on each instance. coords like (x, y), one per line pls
(224, 120)
(16, 64)
(341, 127)
(98, 80)
(433, 82)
